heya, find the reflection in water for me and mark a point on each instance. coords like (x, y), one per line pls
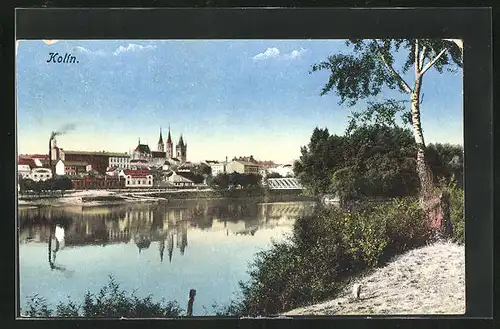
(56, 233)
(143, 224)
(95, 242)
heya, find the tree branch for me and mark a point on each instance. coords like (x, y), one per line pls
(396, 75)
(429, 65)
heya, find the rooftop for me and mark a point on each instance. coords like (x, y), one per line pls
(143, 148)
(158, 154)
(29, 162)
(246, 163)
(104, 153)
(74, 163)
(141, 173)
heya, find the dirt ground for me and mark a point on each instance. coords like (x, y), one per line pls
(428, 280)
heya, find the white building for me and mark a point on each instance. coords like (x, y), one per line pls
(119, 160)
(218, 168)
(137, 178)
(71, 168)
(40, 174)
(242, 167)
(179, 179)
(25, 165)
(24, 170)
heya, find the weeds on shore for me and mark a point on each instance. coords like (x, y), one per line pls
(331, 246)
(110, 302)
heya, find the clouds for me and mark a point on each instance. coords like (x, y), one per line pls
(132, 48)
(295, 53)
(269, 53)
(89, 52)
(117, 52)
(275, 53)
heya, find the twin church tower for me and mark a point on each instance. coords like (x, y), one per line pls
(168, 148)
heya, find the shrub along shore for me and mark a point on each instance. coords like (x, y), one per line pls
(330, 248)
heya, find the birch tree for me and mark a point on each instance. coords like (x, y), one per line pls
(371, 67)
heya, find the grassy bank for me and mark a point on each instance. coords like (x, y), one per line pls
(330, 248)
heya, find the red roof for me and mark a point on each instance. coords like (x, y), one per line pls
(266, 163)
(137, 173)
(34, 156)
(111, 169)
(29, 162)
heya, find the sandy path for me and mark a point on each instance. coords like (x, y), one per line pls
(428, 280)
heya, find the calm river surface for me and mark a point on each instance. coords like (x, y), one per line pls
(159, 249)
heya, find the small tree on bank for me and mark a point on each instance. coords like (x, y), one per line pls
(371, 66)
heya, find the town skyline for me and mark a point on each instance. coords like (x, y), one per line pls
(225, 97)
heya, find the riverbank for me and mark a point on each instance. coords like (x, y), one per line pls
(116, 197)
(427, 280)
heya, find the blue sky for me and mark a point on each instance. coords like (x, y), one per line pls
(227, 97)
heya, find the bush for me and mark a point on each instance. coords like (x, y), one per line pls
(111, 301)
(457, 215)
(325, 250)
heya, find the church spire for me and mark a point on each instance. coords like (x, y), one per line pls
(169, 138)
(161, 138)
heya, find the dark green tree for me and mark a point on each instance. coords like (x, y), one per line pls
(379, 163)
(221, 181)
(253, 180)
(203, 170)
(274, 175)
(446, 162)
(62, 184)
(373, 160)
(318, 160)
(371, 67)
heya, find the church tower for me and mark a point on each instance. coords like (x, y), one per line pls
(161, 147)
(181, 149)
(170, 146)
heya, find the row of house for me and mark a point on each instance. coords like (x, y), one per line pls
(38, 168)
(247, 165)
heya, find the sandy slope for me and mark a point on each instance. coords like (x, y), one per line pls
(428, 280)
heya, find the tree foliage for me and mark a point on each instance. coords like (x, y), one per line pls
(371, 160)
(274, 175)
(59, 183)
(373, 66)
(318, 159)
(225, 181)
(446, 162)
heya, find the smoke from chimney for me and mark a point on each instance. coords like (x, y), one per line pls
(63, 130)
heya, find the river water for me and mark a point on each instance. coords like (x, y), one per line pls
(159, 249)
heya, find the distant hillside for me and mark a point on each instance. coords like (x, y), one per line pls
(428, 280)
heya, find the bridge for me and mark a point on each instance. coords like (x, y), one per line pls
(284, 184)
